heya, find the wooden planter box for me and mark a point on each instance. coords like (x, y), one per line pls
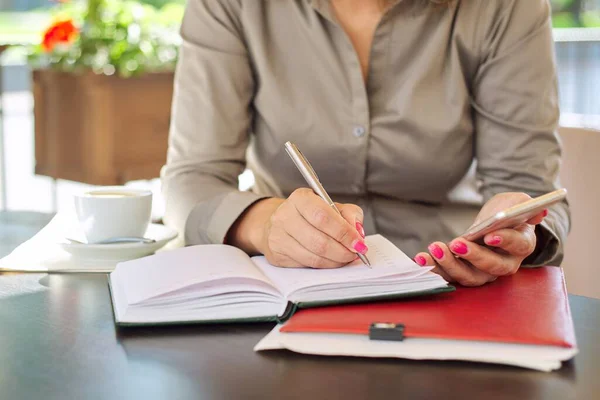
(101, 130)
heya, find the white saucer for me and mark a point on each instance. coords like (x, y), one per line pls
(122, 251)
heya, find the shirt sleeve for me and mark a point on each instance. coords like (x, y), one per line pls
(210, 125)
(516, 114)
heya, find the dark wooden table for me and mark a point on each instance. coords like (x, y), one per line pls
(58, 341)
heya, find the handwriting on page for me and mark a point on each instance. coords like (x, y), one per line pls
(386, 260)
(380, 258)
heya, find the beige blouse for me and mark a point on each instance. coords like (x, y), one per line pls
(460, 104)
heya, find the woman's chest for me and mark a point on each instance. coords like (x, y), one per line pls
(411, 116)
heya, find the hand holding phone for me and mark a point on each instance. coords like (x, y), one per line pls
(514, 216)
(510, 235)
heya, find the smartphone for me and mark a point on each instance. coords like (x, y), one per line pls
(515, 215)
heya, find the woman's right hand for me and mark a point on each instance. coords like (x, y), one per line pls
(301, 231)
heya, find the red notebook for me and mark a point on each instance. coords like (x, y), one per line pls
(530, 307)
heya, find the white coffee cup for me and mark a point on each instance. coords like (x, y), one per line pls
(113, 211)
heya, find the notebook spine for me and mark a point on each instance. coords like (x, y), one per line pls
(289, 311)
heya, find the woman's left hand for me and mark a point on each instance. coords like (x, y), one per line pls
(471, 264)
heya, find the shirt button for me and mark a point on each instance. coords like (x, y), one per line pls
(359, 131)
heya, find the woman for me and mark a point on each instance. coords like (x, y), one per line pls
(392, 102)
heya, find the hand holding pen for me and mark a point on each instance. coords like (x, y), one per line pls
(313, 181)
(302, 230)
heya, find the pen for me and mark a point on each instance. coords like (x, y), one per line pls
(312, 179)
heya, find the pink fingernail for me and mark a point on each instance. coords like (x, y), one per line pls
(436, 251)
(545, 213)
(494, 241)
(459, 248)
(420, 260)
(360, 229)
(360, 246)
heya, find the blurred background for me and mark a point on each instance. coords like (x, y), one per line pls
(85, 90)
(135, 41)
(24, 22)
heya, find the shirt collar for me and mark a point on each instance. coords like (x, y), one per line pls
(324, 7)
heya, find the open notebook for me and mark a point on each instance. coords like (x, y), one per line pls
(219, 283)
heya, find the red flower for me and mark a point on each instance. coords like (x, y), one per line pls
(59, 32)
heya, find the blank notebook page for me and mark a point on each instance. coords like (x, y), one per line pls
(165, 272)
(386, 261)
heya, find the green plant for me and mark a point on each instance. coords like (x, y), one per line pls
(162, 3)
(122, 37)
(575, 14)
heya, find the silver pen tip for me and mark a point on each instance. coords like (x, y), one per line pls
(364, 259)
